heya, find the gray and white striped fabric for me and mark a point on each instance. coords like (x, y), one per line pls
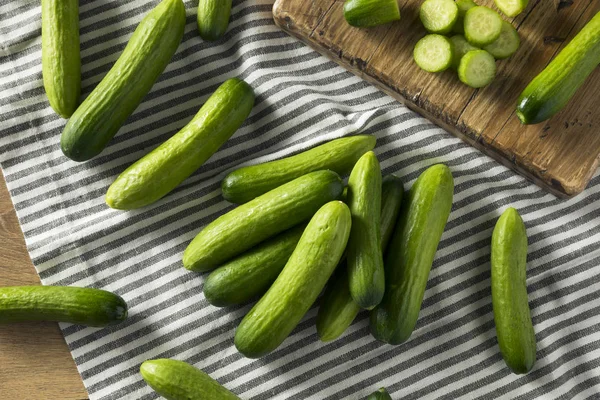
(302, 100)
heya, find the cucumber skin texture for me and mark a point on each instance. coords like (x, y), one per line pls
(280, 310)
(83, 306)
(265, 216)
(552, 89)
(420, 225)
(146, 55)
(61, 64)
(512, 317)
(164, 168)
(178, 380)
(381, 394)
(370, 13)
(250, 275)
(337, 309)
(213, 18)
(339, 155)
(366, 275)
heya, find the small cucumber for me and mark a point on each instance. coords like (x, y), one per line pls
(164, 168)
(434, 53)
(438, 16)
(365, 261)
(514, 328)
(213, 18)
(482, 25)
(338, 155)
(265, 216)
(381, 394)
(83, 306)
(369, 13)
(461, 47)
(146, 55)
(250, 275)
(337, 309)
(507, 43)
(278, 312)
(178, 380)
(420, 225)
(477, 68)
(61, 64)
(552, 89)
(511, 8)
(463, 7)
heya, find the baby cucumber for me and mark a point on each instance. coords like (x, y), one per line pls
(250, 275)
(463, 7)
(265, 216)
(164, 168)
(507, 43)
(482, 25)
(213, 18)
(83, 306)
(461, 47)
(61, 65)
(514, 328)
(381, 394)
(511, 8)
(477, 68)
(364, 258)
(420, 225)
(438, 16)
(178, 380)
(433, 53)
(392, 191)
(146, 55)
(369, 13)
(278, 312)
(338, 155)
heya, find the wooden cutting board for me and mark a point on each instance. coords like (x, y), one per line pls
(560, 155)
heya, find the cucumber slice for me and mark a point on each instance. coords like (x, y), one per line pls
(461, 47)
(477, 68)
(482, 25)
(463, 7)
(369, 13)
(433, 53)
(507, 43)
(511, 8)
(438, 16)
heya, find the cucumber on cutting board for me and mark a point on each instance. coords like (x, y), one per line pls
(463, 7)
(146, 55)
(213, 18)
(438, 16)
(83, 306)
(369, 13)
(434, 53)
(552, 89)
(507, 43)
(482, 25)
(164, 168)
(511, 8)
(477, 68)
(61, 64)
(461, 47)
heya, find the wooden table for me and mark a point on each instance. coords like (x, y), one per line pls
(35, 362)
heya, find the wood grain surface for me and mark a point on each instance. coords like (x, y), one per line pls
(35, 363)
(560, 155)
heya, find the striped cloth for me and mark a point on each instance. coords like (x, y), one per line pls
(302, 100)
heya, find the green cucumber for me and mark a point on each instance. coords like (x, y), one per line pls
(434, 53)
(369, 13)
(463, 7)
(83, 306)
(337, 309)
(365, 261)
(61, 64)
(265, 216)
(552, 89)
(313, 261)
(477, 68)
(482, 25)
(438, 16)
(164, 168)
(213, 18)
(381, 394)
(250, 275)
(420, 225)
(178, 380)
(507, 43)
(514, 328)
(146, 55)
(511, 8)
(461, 47)
(338, 155)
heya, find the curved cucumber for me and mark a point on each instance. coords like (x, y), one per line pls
(213, 18)
(365, 261)
(164, 168)
(421, 222)
(337, 309)
(339, 155)
(250, 275)
(516, 337)
(278, 312)
(265, 216)
(83, 306)
(369, 13)
(178, 380)
(146, 55)
(381, 394)
(552, 89)
(61, 64)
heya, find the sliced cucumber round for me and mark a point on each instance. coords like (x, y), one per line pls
(482, 25)
(477, 68)
(511, 8)
(463, 7)
(433, 53)
(507, 43)
(461, 47)
(438, 16)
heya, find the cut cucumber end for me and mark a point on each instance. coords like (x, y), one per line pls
(511, 8)
(482, 26)
(433, 53)
(507, 43)
(438, 16)
(477, 68)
